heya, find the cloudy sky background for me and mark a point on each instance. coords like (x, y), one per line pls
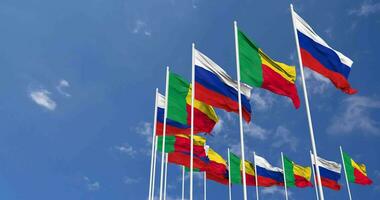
(78, 79)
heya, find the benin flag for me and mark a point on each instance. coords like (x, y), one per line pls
(356, 173)
(216, 169)
(258, 70)
(182, 143)
(179, 110)
(236, 171)
(296, 175)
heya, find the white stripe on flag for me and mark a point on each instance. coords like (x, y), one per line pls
(161, 101)
(262, 162)
(330, 165)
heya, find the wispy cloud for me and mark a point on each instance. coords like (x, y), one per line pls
(130, 180)
(41, 97)
(283, 137)
(262, 100)
(145, 129)
(275, 190)
(91, 185)
(365, 9)
(219, 126)
(316, 83)
(126, 149)
(256, 131)
(356, 115)
(140, 27)
(61, 86)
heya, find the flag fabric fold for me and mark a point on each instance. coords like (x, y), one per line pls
(317, 55)
(216, 88)
(267, 175)
(236, 171)
(330, 172)
(356, 173)
(216, 169)
(296, 175)
(258, 70)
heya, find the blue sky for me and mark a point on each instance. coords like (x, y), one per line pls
(78, 80)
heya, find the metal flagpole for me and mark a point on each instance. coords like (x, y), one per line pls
(345, 173)
(192, 121)
(229, 175)
(315, 178)
(164, 131)
(314, 148)
(183, 182)
(283, 168)
(153, 145)
(166, 174)
(240, 110)
(154, 166)
(204, 186)
(256, 179)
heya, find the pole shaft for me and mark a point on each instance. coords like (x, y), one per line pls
(154, 166)
(314, 148)
(192, 121)
(345, 173)
(283, 168)
(153, 145)
(183, 182)
(256, 179)
(315, 178)
(240, 110)
(229, 175)
(166, 175)
(204, 186)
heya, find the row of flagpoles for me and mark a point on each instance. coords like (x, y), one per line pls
(164, 156)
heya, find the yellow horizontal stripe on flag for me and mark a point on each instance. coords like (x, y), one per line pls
(213, 156)
(286, 71)
(302, 171)
(204, 108)
(360, 167)
(198, 140)
(249, 168)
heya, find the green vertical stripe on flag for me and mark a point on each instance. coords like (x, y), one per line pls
(178, 90)
(251, 71)
(235, 169)
(349, 168)
(289, 173)
(169, 143)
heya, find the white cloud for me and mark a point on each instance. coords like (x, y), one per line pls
(356, 115)
(328, 32)
(256, 131)
(365, 9)
(60, 87)
(41, 97)
(219, 126)
(141, 27)
(315, 82)
(145, 129)
(126, 149)
(91, 185)
(130, 180)
(283, 137)
(274, 190)
(261, 100)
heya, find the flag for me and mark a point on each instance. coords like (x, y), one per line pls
(216, 169)
(356, 173)
(296, 175)
(267, 175)
(317, 55)
(329, 171)
(259, 70)
(236, 171)
(215, 87)
(179, 110)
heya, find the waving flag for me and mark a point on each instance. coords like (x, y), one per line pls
(267, 175)
(330, 172)
(215, 87)
(259, 70)
(216, 169)
(317, 55)
(356, 173)
(179, 110)
(296, 175)
(237, 168)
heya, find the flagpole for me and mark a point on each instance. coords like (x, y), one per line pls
(314, 148)
(166, 174)
(345, 173)
(164, 131)
(204, 186)
(192, 121)
(240, 110)
(153, 145)
(154, 166)
(229, 175)
(183, 182)
(283, 168)
(256, 179)
(315, 178)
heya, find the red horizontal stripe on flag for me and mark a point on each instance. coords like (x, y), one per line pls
(170, 130)
(267, 182)
(184, 160)
(277, 84)
(337, 79)
(202, 123)
(301, 181)
(217, 178)
(250, 180)
(361, 178)
(330, 183)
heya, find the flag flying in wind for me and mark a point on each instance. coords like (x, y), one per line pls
(296, 175)
(216, 169)
(330, 172)
(259, 70)
(267, 175)
(236, 171)
(317, 55)
(215, 87)
(179, 110)
(356, 173)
